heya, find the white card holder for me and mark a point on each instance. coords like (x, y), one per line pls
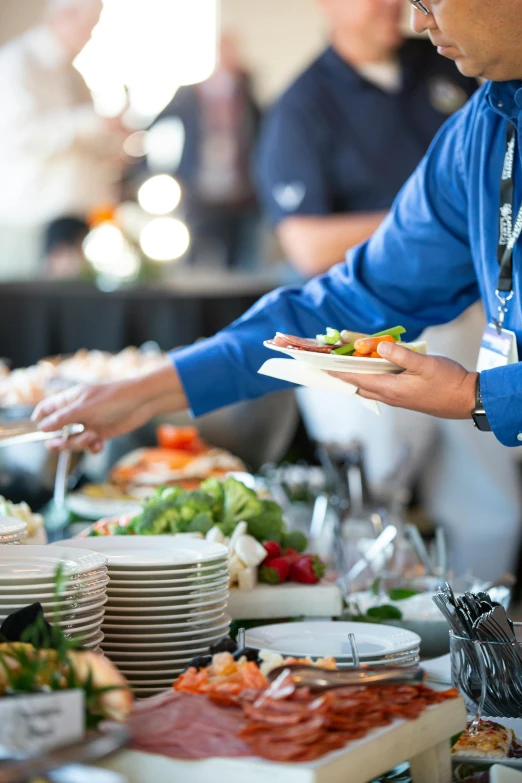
(497, 349)
(40, 722)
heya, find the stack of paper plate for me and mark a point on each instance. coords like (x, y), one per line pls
(167, 600)
(27, 576)
(378, 645)
(12, 530)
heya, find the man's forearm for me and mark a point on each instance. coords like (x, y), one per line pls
(315, 243)
(161, 390)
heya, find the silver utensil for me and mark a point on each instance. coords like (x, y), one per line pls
(387, 536)
(317, 679)
(241, 638)
(318, 516)
(27, 431)
(355, 652)
(413, 535)
(441, 553)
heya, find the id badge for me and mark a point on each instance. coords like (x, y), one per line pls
(498, 348)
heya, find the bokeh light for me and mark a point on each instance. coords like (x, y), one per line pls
(159, 195)
(165, 143)
(165, 239)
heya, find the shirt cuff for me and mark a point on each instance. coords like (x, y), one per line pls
(501, 390)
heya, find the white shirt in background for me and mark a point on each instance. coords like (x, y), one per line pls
(57, 156)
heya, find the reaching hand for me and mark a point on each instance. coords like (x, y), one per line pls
(110, 409)
(429, 384)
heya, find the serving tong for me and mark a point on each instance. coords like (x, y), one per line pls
(318, 680)
(26, 431)
(486, 655)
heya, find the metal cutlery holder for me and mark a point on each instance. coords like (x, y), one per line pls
(493, 685)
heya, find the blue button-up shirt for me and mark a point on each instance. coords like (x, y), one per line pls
(434, 255)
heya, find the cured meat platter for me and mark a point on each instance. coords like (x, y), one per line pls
(424, 742)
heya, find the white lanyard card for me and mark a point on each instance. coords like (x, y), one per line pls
(498, 348)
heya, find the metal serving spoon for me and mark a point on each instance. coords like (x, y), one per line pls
(317, 679)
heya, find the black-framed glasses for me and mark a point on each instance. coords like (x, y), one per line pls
(419, 5)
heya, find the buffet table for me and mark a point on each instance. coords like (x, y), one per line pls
(46, 318)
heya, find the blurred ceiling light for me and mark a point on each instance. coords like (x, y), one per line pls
(165, 239)
(110, 102)
(151, 47)
(165, 144)
(159, 195)
(102, 244)
(135, 145)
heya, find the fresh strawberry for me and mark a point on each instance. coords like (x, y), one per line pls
(272, 550)
(274, 571)
(308, 570)
(292, 555)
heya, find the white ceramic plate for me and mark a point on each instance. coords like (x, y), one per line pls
(152, 591)
(152, 674)
(146, 551)
(31, 563)
(78, 597)
(331, 638)
(157, 633)
(200, 596)
(81, 624)
(331, 361)
(187, 619)
(139, 577)
(50, 608)
(157, 658)
(11, 526)
(100, 508)
(93, 640)
(166, 644)
(72, 588)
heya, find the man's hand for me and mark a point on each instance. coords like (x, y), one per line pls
(108, 410)
(430, 384)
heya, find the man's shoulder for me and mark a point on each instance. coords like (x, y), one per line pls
(306, 91)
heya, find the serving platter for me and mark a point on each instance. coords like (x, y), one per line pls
(329, 638)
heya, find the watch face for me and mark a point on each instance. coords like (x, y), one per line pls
(480, 420)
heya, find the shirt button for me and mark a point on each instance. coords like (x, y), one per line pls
(519, 436)
(500, 104)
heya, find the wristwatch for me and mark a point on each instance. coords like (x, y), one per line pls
(478, 414)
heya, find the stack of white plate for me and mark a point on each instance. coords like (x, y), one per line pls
(12, 530)
(27, 576)
(378, 645)
(167, 600)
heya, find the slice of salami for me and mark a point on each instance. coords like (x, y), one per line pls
(301, 343)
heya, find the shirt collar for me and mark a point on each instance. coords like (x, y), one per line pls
(505, 98)
(47, 48)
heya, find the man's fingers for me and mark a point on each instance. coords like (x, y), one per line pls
(87, 441)
(378, 384)
(370, 395)
(404, 357)
(58, 419)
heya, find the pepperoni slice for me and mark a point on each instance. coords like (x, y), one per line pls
(301, 343)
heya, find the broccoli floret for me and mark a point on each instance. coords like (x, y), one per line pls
(158, 516)
(240, 505)
(201, 523)
(214, 488)
(268, 525)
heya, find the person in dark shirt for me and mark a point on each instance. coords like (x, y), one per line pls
(339, 144)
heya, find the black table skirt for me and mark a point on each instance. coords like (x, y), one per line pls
(40, 319)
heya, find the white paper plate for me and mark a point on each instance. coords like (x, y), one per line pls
(331, 361)
(134, 552)
(31, 563)
(100, 508)
(331, 638)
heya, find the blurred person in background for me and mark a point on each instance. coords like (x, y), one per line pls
(334, 151)
(220, 119)
(58, 158)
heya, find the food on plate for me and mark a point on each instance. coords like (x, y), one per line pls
(489, 740)
(160, 466)
(35, 523)
(344, 343)
(174, 437)
(221, 711)
(23, 668)
(30, 385)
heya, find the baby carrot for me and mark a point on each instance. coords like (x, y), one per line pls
(368, 345)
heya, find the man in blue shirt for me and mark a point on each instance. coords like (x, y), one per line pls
(433, 256)
(342, 140)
